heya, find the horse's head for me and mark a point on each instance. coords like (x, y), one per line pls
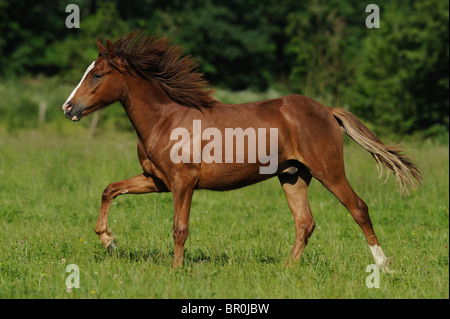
(100, 86)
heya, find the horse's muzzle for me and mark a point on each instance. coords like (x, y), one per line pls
(72, 112)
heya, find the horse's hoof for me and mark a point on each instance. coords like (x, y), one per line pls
(112, 247)
(385, 267)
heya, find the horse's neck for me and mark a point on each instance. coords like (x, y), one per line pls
(146, 104)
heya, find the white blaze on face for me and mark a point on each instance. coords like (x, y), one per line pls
(90, 67)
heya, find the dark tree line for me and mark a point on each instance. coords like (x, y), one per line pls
(395, 76)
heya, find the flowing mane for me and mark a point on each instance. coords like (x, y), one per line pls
(158, 59)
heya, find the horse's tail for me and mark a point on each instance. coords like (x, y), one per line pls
(391, 157)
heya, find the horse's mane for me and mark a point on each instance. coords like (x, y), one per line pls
(158, 59)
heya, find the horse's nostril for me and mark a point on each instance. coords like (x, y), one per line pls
(68, 106)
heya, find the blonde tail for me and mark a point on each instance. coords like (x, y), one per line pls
(391, 157)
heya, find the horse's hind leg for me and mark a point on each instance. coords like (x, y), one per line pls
(295, 188)
(360, 212)
(334, 179)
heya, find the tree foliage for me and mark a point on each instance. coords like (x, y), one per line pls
(402, 81)
(395, 76)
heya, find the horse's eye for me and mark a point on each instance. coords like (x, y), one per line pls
(96, 76)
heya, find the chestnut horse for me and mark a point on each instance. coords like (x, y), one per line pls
(160, 91)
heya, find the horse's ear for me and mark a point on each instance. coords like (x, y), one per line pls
(112, 54)
(100, 47)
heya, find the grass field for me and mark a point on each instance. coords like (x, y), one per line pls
(50, 189)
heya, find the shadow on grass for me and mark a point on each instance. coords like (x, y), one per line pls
(196, 256)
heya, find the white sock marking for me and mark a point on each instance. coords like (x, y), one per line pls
(378, 255)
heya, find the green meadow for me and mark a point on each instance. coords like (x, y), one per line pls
(51, 180)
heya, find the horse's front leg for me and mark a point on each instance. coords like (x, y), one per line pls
(140, 184)
(182, 206)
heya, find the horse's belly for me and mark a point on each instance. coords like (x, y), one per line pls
(225, 176)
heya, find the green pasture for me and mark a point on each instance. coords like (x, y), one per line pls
(51, 182)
